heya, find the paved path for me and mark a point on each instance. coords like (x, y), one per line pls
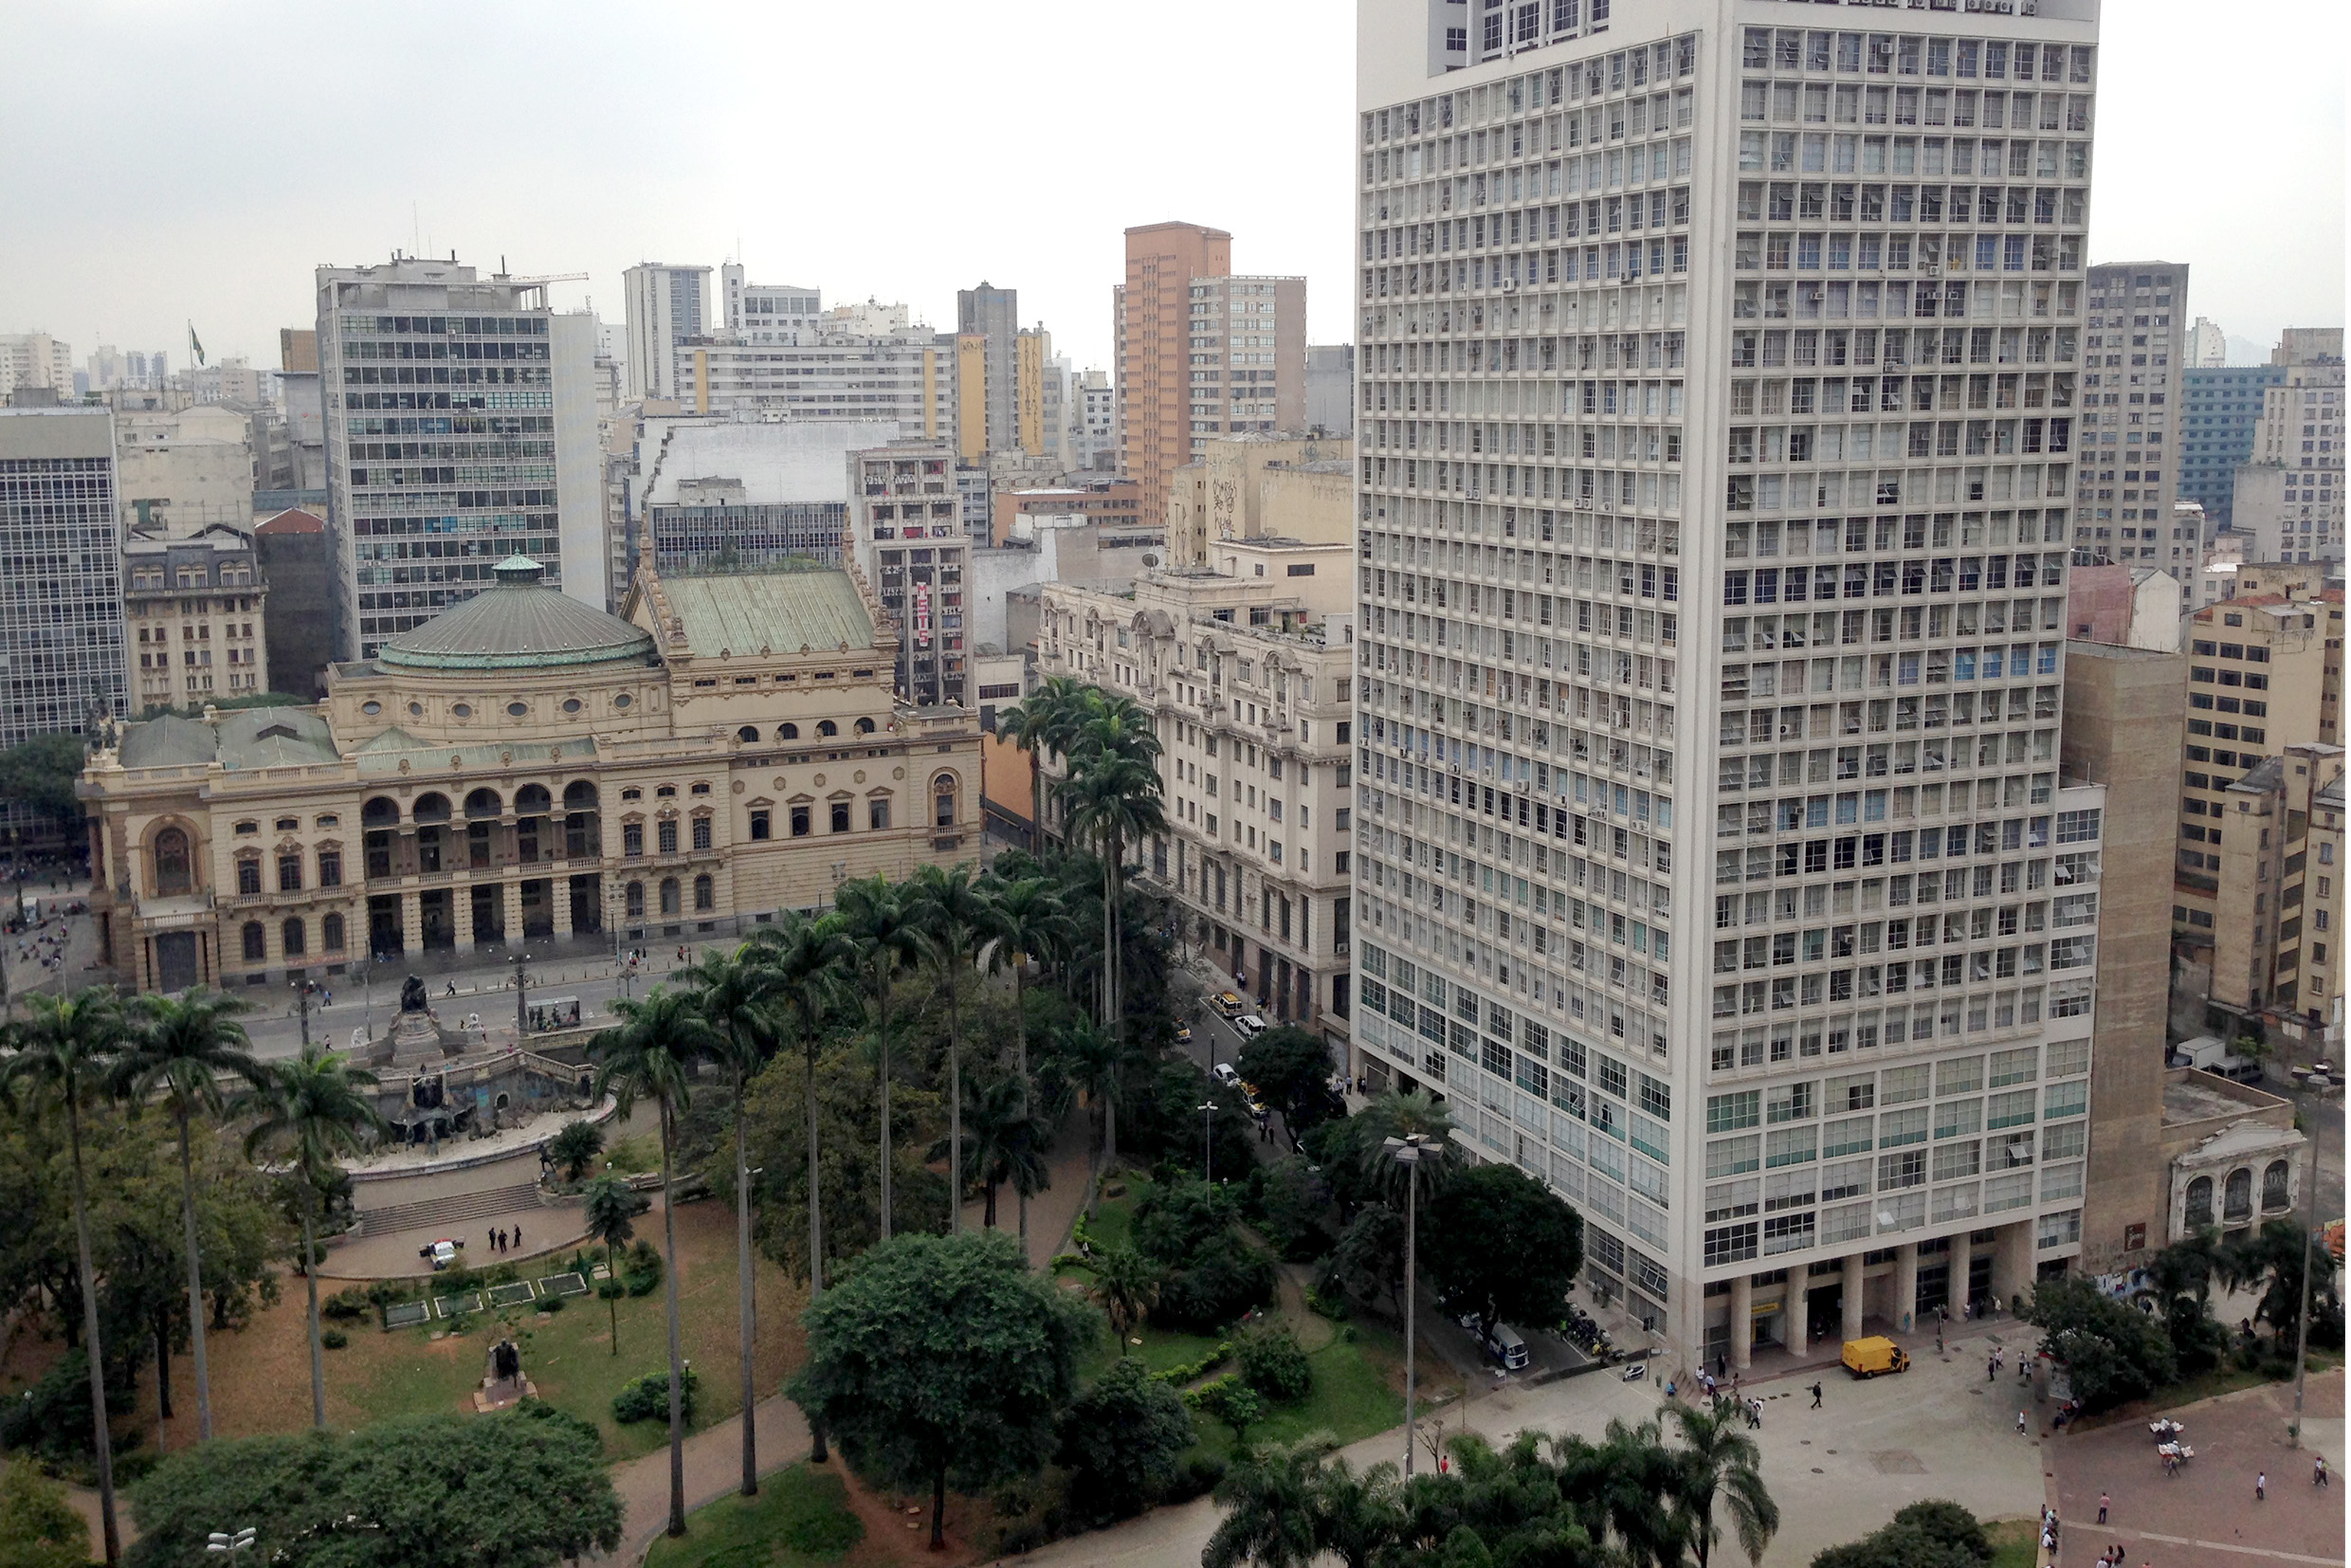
(714, 1466)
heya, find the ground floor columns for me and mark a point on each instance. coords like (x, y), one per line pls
(1962, 1256)
(1742, 1321)
(412, 922)
(511, 891)
(2012, 1263)
(460, 914)
(1906, 1302)
(1796, 1334)
(1852, 1294)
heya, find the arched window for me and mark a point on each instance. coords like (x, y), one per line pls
(943, 791)
(705, 894)
(256, 942)
(331, 932)
(292, 934)
(2199, 1215)
(864, 726)
(2274, 1187)
(481, 803)
(2237, 1202)
(670, 895)
(826, 726)
(748, 734)
(172, 873)
(248, 874)
(636, 901)
(788, 731)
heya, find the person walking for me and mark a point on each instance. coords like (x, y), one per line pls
(1992, 1367)
(2317, 1471)
(1815, 1396)
(517, 1238)
(2020, 1422)
(2103, 1501)
(2261, 1487)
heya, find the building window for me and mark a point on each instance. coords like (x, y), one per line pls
(2199, 1215)
(799, 822)
(668, 837)
(827, 727)
(635, 901)
(331, 932)
(291, 934)
(289, 873)
(248, 875)
(943, 790)
(705, 894)
(878, 814)
(172, 874)
(633, 838)
(670, 895)
(330, 867)
(761, 828)
(840, 817)
(788, 731)
(702, 832)
(2237, 1196)
(256, 942)
(2274, 1187)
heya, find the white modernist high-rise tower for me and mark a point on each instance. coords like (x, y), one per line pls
(1717, 366)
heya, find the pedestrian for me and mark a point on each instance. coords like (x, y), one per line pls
(1992, 1367)
(2020, 1422)
(2318, 1471)
(452, 991)
(1815, 1395)
(1720, 1368)
(2103, 1501)
(2261, 1487)
(517, 1237)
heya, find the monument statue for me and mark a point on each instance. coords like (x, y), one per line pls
(413, 995)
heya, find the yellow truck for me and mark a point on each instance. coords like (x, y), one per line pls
(1867, 1357)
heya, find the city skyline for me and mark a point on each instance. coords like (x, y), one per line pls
(1270, 143)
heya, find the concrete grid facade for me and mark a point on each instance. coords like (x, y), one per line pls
(2133, 363)
(61, 619)
(1767, 937)
(2220, 409)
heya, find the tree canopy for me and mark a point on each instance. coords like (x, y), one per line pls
(1291, 1070)
(2113, 1351)
(939, 1360)
(1497, 1245)
(433, 1491)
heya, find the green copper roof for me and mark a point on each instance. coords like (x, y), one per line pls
(777, 612)
(519, 623)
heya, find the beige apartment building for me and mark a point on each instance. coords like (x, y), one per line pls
(1252, 689)
(1152, 329)
(2124, 716)
(1250, 487)
(907, 534)
(195, 625)
(526, 768)
(2275, 952)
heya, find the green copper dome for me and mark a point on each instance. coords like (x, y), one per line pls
(518, 623)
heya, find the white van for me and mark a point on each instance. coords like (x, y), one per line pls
(1506, 1348)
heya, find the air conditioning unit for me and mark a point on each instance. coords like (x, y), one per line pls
(1583, 504)
(1510, 285)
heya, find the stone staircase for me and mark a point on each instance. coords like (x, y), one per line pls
(450, 1214)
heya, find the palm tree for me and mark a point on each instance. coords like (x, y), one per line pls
(607, 1211)
(185, 1047)
(805, 956)
(311, 1111)
(61, 1054)
(1357, 1513)
(1030, 921)
(1718, 1461)
(1007, 1143)
(1126, 1287)
(954, 912)
(1044, 722)
(1116, 801)
(1095, 1060)
(650, 1055)
(881, 923)
(735, 994)
(1271, 1498)
(1395, 1114)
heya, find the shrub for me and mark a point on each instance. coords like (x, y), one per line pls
(1220, 1285)
(334, 1339)
(1200, 1474)
(648, 1397)
(1124, 1441)
(641, 1271)
(52, 1417)
(1234, 1402)
(1274, 1363)
(346, 1306)
(539, 1410)
(609, 1290)
(382, 1293)
(551, 1304)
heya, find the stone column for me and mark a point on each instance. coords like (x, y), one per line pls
(1796, 1316)
(559, 903)
(1853, 1303)
(460, 914)
(411, 923)
(2011, 1263)
(511, 890)
(1962, 1260)
(1906, 1303)
(1742, 1320)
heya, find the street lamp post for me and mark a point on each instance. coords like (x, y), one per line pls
(1409, 1152)
(301, 1001)
(1208, 1142)
(522, 983)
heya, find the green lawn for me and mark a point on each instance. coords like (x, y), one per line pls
(1112, 1224)
(1160, 1350)
(799, 1519)
(2015, 1544)
(1351, 1399)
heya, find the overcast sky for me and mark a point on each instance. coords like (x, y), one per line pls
(169, 162)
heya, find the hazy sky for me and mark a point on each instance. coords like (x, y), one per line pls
(163, 162)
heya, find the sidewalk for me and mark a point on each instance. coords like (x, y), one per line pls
(714, 1466)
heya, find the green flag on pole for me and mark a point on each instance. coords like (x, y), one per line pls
(196, 345)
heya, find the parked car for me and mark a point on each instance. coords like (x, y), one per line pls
(1228, 1004)
(1224, 1074)
(2213, 1056)
(1249, 1024)
(1867, 1357)
(441, 1254)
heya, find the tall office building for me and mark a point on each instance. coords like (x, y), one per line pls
(987, 390)
(2208, 346)
(1769, 946)
(36, 360)
(663, 307)
(2130, 424)
(461, 429)
(2219, 411)
(854, 363)
(2288, 494)
(61, 626)
(1151, 328)
(767, 313)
